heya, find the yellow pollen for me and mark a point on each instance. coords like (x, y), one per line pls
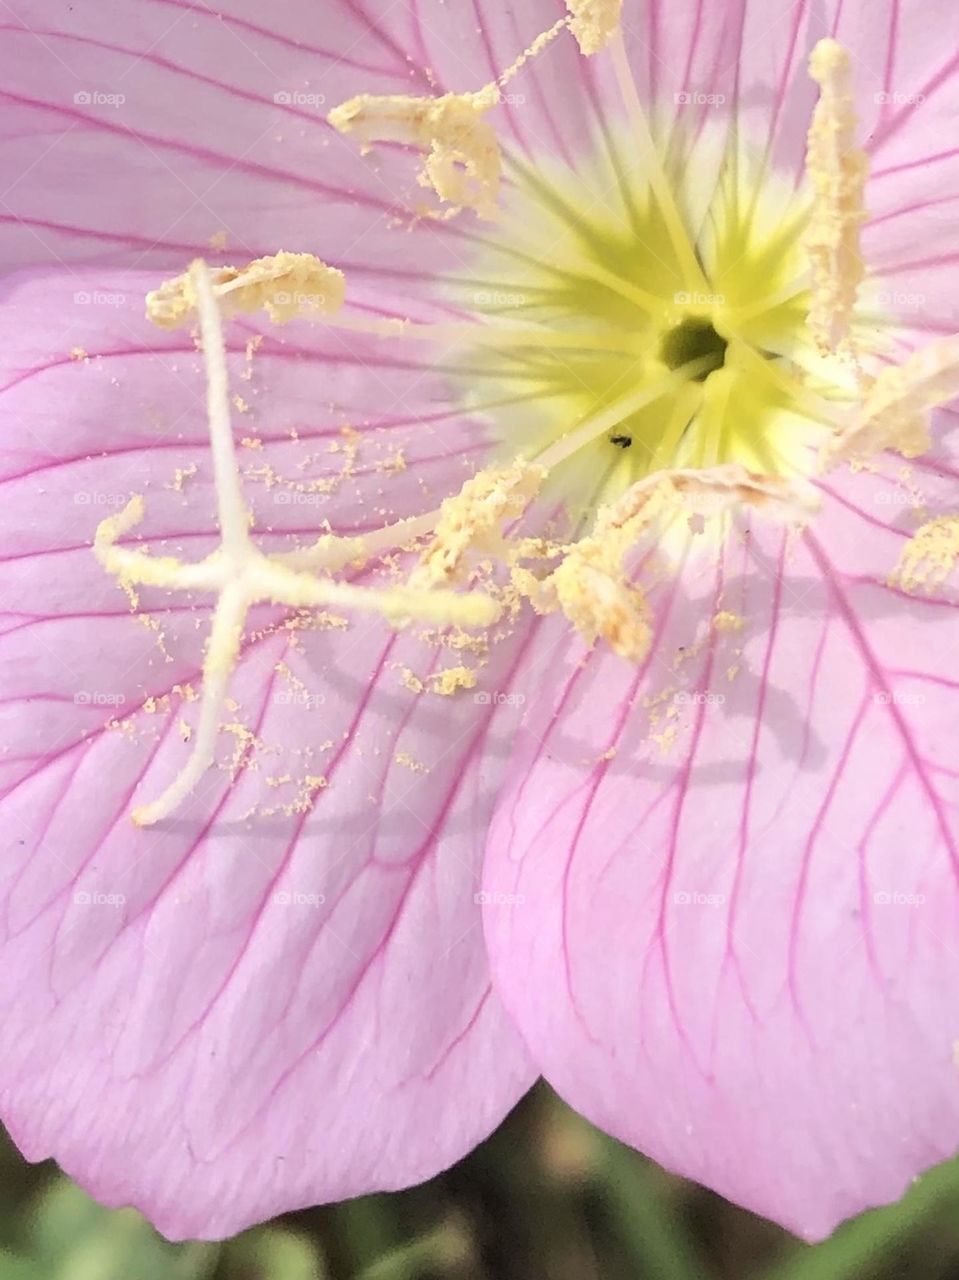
(452, 679)
(591, 589)
(894, 413)
(929, 556)
(284, 285)
(473, 518)
(594, 22)
(463, 163)
(462, 154)
(838, 171)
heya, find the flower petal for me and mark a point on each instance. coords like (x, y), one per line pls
(280, 995)
(724, 890)
(145, 135)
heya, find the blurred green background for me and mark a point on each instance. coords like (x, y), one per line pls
(546, 1198)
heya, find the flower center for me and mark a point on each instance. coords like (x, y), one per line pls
(693, 339)
(705, 318)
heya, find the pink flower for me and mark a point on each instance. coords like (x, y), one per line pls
(684, 841)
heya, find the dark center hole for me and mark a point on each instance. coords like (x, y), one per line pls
(693, 340)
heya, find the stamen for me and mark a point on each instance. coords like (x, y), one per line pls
(594, 23)
(894, 413)
(838, 172)
(592, 591)
(243, 576)
(929, 557)
(283, 284)
(473, 518)
(591, 585)
(462, 164)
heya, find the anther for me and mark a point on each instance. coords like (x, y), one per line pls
(284, 285)
(838, 172)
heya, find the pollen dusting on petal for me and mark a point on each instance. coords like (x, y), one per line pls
(726, 621)
(594, 22)
(838, 170)
(284, 285)
(894, 413)
(463, 161)
(929, 556)
(472, 519)
(451, 679)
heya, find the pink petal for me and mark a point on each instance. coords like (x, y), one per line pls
(139, 135)
(230, 1015)
(723, 891)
